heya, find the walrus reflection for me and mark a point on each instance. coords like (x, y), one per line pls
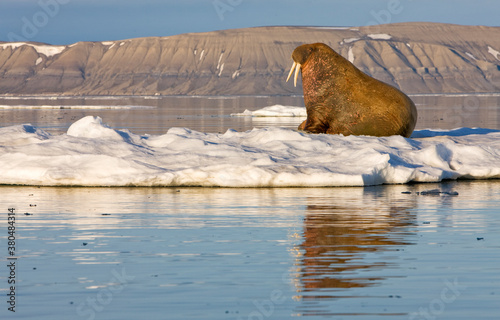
(341, 99)
(337, 239)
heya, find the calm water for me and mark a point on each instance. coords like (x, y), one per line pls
(386, 252)
(213, 114)
(209, 253)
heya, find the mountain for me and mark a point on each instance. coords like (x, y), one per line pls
(416, 57)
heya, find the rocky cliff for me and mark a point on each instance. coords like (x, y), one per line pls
(416, 57)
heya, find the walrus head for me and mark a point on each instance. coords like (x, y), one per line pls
(305, 52)
(299, 56)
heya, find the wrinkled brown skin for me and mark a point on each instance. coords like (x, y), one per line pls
(340, 99)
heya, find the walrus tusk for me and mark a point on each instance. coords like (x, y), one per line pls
(291, 71)
(295, 67)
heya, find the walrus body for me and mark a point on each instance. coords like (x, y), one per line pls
(340, 99)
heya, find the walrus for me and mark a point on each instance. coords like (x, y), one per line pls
(341, 99)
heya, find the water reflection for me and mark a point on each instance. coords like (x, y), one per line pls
(348, 244)
(363, 253)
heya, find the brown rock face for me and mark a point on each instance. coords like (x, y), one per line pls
(415, 57)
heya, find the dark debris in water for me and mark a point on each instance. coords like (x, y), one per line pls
(433, 192)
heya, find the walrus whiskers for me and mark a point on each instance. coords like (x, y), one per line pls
(295, 67)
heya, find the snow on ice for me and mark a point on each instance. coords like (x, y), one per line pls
(93, 154)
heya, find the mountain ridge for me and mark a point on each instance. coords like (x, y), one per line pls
(416, 57)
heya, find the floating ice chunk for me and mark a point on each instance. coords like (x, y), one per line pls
(275, 111)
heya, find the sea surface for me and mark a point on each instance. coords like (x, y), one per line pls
(415, 251)
(155, 115)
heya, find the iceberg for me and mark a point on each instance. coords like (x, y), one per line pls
(93, 154)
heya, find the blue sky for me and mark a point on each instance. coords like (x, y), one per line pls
(69, 21)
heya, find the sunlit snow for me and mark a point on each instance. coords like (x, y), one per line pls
(48, 51)
(93, 154)
(380, 36)
(494, 52)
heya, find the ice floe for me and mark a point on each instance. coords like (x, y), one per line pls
(275, 111)
(93, 154)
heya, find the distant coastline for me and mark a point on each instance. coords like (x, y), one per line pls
(419, 58)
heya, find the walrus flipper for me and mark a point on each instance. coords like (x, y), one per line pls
(316, 122)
